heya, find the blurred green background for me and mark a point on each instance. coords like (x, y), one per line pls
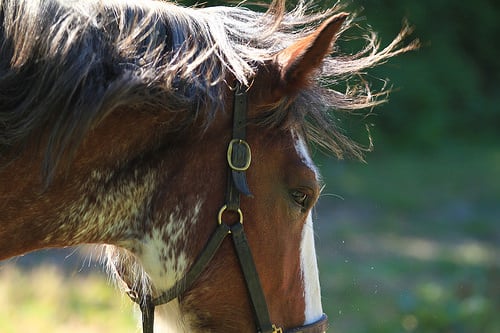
(416, 230)
(408, 241)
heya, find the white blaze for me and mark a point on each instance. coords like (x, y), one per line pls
(308, 263)
(309, 266)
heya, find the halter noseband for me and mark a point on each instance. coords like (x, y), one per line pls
(239, 159)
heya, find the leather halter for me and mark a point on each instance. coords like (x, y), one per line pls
(239, 160)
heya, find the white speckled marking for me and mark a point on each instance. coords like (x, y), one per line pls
(162, 255)
(118, 206)
(111, 207)
(165, 260)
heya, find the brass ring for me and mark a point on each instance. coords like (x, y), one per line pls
(223, 209)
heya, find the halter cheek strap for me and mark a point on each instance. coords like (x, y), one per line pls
(239, 160)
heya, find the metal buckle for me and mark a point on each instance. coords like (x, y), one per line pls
(248, 155)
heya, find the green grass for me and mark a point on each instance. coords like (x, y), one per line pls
(45, 299)
(408, 242)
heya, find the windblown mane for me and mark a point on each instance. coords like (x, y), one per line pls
(65, 65)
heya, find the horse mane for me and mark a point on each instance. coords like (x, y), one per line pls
(65, 65)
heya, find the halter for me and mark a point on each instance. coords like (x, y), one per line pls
(239, 160)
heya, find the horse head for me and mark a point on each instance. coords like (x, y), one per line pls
(178, 138)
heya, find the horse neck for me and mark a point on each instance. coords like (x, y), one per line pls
(115, 171)
(27, 213)
(67, 211)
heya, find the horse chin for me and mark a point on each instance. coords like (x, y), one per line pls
(171, 318)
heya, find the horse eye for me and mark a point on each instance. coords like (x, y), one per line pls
(300, 197)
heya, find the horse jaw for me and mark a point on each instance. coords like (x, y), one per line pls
(156, 262)
(163, 256)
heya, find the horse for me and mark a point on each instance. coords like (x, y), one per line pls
(178, 138)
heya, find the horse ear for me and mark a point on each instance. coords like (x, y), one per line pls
(299, 61)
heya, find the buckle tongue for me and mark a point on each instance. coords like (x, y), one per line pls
(277, 329)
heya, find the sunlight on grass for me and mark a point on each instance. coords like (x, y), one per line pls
(44, 300)
(466, 252)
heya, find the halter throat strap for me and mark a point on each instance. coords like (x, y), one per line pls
(239, 160)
